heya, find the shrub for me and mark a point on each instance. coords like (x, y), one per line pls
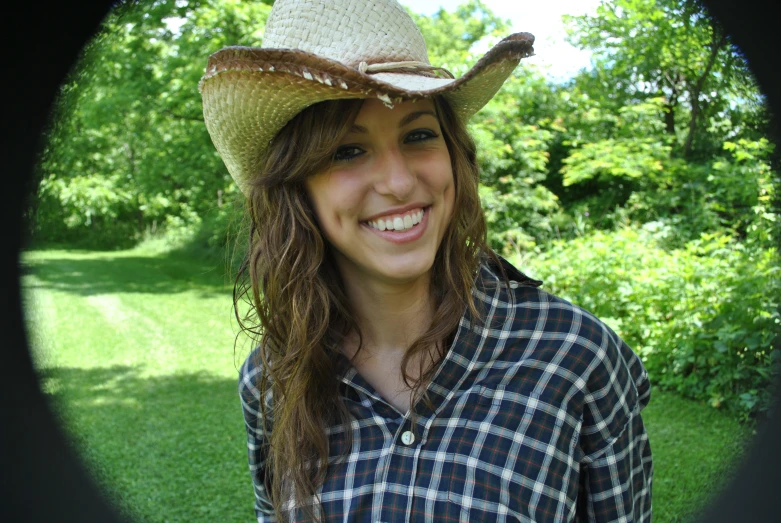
(84, 211)
(704, 318)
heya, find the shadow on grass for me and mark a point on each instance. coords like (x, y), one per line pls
(166, 448)
(99, 273)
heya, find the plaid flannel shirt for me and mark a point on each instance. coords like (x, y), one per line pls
(535, 418)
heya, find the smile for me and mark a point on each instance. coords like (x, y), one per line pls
(400, 229)
(399, 222)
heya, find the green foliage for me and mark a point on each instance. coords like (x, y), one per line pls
(629, 158)
(743, 190)
(632, 149)
(513, 158)
(680, 197)
(734, 193)
(129, 121)
(518, 207)
(670, 49)
(221, 236)
(704, 318)
(85, 203)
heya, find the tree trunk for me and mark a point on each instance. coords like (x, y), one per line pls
(696, 91)
(669, 112)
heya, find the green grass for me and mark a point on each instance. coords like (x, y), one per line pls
(136, 351)
(695, 448)
(135, 348)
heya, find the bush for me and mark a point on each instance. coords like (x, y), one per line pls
(84, 211)
(704, 318)
(734, 191)
(220, 237)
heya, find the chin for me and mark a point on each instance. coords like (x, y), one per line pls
(406, 271)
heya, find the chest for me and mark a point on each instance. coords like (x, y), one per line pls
(478, 458)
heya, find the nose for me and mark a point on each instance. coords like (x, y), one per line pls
(396, 176)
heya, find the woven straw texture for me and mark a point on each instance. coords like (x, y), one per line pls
(348, 31)
(313, 50)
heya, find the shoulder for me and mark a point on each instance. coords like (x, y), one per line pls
(612, 383)
(537, 312)
(552, 330)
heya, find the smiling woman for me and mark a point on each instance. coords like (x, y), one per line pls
(386, 201)
(404, 371)
(39, 454)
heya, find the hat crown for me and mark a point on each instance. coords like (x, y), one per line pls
(348, 31)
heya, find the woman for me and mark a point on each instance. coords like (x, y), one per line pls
(405, 372)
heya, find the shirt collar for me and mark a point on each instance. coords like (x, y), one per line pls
(470, 341)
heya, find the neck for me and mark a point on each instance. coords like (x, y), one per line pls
(390, 317)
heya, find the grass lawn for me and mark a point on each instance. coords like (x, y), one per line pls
(135, 348)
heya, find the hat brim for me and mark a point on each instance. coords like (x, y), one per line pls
(249, 94)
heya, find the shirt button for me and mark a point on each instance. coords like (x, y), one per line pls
(408, 438)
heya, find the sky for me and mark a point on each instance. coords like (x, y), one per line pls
(556, 58)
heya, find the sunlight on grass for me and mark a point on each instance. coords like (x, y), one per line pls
(136, 350)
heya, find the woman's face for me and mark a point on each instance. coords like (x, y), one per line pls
(386, 201)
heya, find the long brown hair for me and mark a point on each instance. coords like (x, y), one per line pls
(299, 310)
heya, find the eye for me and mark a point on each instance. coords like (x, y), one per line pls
(420, 135)
(345, 153)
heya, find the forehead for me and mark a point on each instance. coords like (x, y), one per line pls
(374, 111)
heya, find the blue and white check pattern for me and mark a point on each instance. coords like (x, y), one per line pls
(534, 417)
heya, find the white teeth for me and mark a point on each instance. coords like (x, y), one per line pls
(398, 223)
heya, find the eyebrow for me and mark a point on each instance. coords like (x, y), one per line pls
(411, 117)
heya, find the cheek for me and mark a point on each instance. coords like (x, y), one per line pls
(436, 171)
(445, 180)
(334, 198)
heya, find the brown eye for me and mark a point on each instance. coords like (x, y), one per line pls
(345, 153)
(420, 135)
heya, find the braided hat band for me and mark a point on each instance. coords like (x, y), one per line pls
(317, 50)
(409, 66)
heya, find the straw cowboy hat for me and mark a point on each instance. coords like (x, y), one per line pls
(316, 50)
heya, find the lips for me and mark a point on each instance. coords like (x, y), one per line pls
(406, 234)
(398, 222)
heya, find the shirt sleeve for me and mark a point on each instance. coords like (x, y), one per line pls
(616, 467)
(249, 377)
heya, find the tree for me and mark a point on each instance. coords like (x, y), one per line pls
(129, 124)
(670, 49)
